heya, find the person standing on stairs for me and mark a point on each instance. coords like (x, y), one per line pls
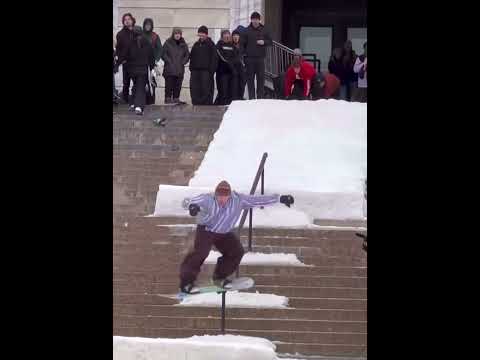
(124, 38)
(255, 39)
(239, 66)
(219, 212)
(175, 56)
(203, 64)
(139, 58)
(227, 77)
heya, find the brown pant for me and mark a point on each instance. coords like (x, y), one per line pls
(227, 244)
(360, 95)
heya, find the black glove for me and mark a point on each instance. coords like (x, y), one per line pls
(193, 209)
(287, 200)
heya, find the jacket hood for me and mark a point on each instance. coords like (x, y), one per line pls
(148, 20)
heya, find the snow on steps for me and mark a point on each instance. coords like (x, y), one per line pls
(256, 258)
(225, 347)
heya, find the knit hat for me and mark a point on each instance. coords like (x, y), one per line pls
(203, 30)
(223, 188)
(176, 30)
(255, 15)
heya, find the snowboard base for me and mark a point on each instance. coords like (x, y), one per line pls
(241, 283)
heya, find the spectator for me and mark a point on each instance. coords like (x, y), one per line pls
(349, 57)
(227, 77)
(239, 66)
(175, 56)
(337, 67)
(299, 78)
(154, 39)
(124, 38)
(115, 102)
(326, 86)
(203, 64)
(255, 39)
(138, 59)
(361, 69)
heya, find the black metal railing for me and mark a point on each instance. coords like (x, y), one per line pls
(260, 176)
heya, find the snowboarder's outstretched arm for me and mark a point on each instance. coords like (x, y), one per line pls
(251, 201)
(194, 204)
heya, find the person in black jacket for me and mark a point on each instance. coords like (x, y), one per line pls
(337, 67)
(139, 58)
(227, 76)
(203, 64)
(124, 38)
(175, 56)
(239, 66)
(255, 39)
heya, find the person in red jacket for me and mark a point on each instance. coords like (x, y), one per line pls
(326, 86)
(299, 78)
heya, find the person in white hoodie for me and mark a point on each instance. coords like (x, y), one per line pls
(360, 68)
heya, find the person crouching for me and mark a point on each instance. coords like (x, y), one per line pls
(219, 212)
(299, 78)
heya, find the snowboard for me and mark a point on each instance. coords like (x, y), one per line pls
(241, 283)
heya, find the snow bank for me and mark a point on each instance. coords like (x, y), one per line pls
(308, 206)
(252, 258)
(237, 299)
(317, 151)
(225, 347)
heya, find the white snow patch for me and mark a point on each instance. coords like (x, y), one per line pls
(317, 151)
(237, 299)
(225, 347)
(254, 258)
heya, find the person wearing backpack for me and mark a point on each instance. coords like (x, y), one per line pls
(227, 77)
(239, 65)
(175, 56)
(153, 37)
(139, 58)
(361, 69)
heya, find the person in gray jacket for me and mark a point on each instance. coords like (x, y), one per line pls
(175, 56)
(255, 39)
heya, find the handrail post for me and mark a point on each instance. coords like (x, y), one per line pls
(222, 325)
(250, 230)
(262, 188)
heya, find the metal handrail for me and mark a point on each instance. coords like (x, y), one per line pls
(260, 175)
(278, 59)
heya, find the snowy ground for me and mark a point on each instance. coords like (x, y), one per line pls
(253, 258)
(238, 300)
(316, 151)
(225, 347)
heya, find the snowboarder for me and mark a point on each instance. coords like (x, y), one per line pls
(175, 56)
(219, 212)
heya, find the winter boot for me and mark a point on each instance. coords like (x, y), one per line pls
(190, 289)
(138, 110)
(168, 100)
(223, 283)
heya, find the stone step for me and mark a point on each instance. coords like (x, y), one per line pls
(327, 349)
(294, 302)
(249, 270)
(239, 324)
(260, 279)
(188, 311)
(288, 291)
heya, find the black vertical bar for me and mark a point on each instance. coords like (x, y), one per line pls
(250, 229)
(262, 188)
(223, 313)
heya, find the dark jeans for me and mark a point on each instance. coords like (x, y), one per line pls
(241, 83)
(126, 83)
(227, 244)
(227, 86)
(139, 95)
(173, 86)
(201, 87)
(255, 68)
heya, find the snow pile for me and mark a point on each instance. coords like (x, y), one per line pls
(225, 347)
(317, 151)
(253, 258)
(237, 299)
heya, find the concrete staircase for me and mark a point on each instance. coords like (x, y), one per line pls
(327, 314)
(146, 155)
